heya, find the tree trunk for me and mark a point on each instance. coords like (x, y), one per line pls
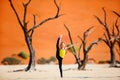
(31, 65)
(77, 61)
(79, 64)
(112, 60)
(85, 60)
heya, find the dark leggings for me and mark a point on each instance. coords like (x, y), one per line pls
(58, 57)
(60, 66)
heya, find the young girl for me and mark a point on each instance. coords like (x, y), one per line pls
(60, 52)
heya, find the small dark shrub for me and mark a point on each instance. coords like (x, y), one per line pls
(108, 61)
(41, 61)
(104, 62)
(52, 58)
(10, 61)
(101, 62)
(46, 61)
(23, 55)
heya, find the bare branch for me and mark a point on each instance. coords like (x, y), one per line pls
(99, 20)
(115, 37)
(104, 24)
(34, 25)
(58, 9)
(116, 13)
(70, 37)
(104, 16)
(81, 39)
(18, 18)
(48, 19)
(92, 44)
(34, 19)
(83, 43)
(25, 11)
(116, 26)
(113, 30)
(88, 31)
(28, 2)
(68, 33)
(79, 50)
(107, 40)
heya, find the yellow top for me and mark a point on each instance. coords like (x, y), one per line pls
(62, 53)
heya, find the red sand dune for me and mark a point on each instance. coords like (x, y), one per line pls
(78, 16)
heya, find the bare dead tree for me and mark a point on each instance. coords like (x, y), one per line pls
(110, 42)
(116, 36)
(81, 65)
(28, 33)
(77, 58)
(86, 49)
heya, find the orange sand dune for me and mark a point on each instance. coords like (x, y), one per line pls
(78, 16)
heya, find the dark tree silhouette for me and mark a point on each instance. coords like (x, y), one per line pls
(81, 65)
(110, 37)
(28, 33)
(85, 48)
(77, 58)
(116, 36)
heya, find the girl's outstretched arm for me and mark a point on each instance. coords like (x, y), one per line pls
(72, 45)
(67, 47)
(58, 41)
